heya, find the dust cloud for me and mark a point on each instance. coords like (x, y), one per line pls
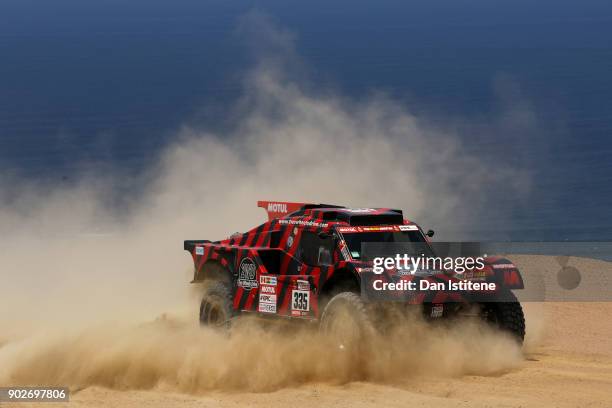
(78, 278)
(175, 355)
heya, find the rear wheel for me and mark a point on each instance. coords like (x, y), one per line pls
(216, 307)
(507, 316)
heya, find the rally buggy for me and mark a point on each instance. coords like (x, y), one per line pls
(305, 263)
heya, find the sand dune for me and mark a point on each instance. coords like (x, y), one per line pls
(565, 362)
(572, 368)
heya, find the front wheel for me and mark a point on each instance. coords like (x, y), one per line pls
(346, 321)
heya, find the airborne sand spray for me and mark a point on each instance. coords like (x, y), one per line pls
(69, 262)
(179, 356)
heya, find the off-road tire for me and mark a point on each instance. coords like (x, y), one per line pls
(352, 303)
(507, 316)
(216, 308)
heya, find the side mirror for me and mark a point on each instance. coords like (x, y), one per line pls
(430, 233)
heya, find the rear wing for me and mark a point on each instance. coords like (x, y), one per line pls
(278, 209)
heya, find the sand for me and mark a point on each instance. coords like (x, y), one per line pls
(573, 368)
(566, 362)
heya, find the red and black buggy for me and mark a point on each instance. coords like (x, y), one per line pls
(305, 263)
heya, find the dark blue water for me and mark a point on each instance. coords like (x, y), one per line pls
(109, 82)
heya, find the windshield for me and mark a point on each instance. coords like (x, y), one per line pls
(367, 245)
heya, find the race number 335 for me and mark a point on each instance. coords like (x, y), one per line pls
(301, 300)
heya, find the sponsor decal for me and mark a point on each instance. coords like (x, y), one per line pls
(300, 300)
(267, 289)
(379, 228)
(404, 271)
(437, 310)
(478, 274)
(267, 280)
(266, 308)
(360, 210)
(267, 298)
(267, 302)
(277, 207)
(247, 274)
(199, 250)
(290, 241)
(504, 266)
(298, 313)
(302, 223)
(347, 229)
(303, 285)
